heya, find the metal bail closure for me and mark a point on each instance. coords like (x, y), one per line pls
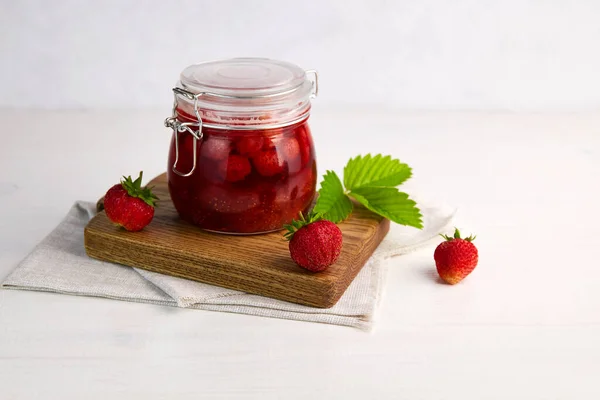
(315, 82)
(180, 127)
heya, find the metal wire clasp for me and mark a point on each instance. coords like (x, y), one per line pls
(180, 127)
(315, 82)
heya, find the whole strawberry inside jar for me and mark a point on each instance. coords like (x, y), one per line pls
(242, 159)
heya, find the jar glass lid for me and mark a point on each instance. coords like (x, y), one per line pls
(243, 77)
(245, 91)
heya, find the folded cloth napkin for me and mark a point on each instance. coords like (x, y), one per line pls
(59, 264)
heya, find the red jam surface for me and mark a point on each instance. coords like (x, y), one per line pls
(245, 181)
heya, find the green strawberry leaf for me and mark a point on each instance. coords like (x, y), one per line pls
(333, 204)
(377, 171)
(389, 203)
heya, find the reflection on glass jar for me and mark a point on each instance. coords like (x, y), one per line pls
(242, 159)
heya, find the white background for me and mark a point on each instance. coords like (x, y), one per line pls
(524, 325)
(414, 54)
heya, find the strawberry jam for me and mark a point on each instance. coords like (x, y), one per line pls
(242, 159)
(244, 181)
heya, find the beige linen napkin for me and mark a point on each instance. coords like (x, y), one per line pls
(59, 264)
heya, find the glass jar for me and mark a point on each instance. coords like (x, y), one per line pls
(242, 159)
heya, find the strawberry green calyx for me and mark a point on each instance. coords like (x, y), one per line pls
(297, 224)
(457, 236)
(135, 189)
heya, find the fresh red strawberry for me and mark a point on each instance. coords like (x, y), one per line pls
(315, 244)
(237, 168)
(455, 258)
(249, 145)
(267, 163)
(129, 205)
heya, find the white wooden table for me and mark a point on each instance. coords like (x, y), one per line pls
(524, 325)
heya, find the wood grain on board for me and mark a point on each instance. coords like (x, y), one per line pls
(258, 264)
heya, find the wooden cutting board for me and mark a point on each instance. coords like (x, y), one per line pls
(258, 264)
